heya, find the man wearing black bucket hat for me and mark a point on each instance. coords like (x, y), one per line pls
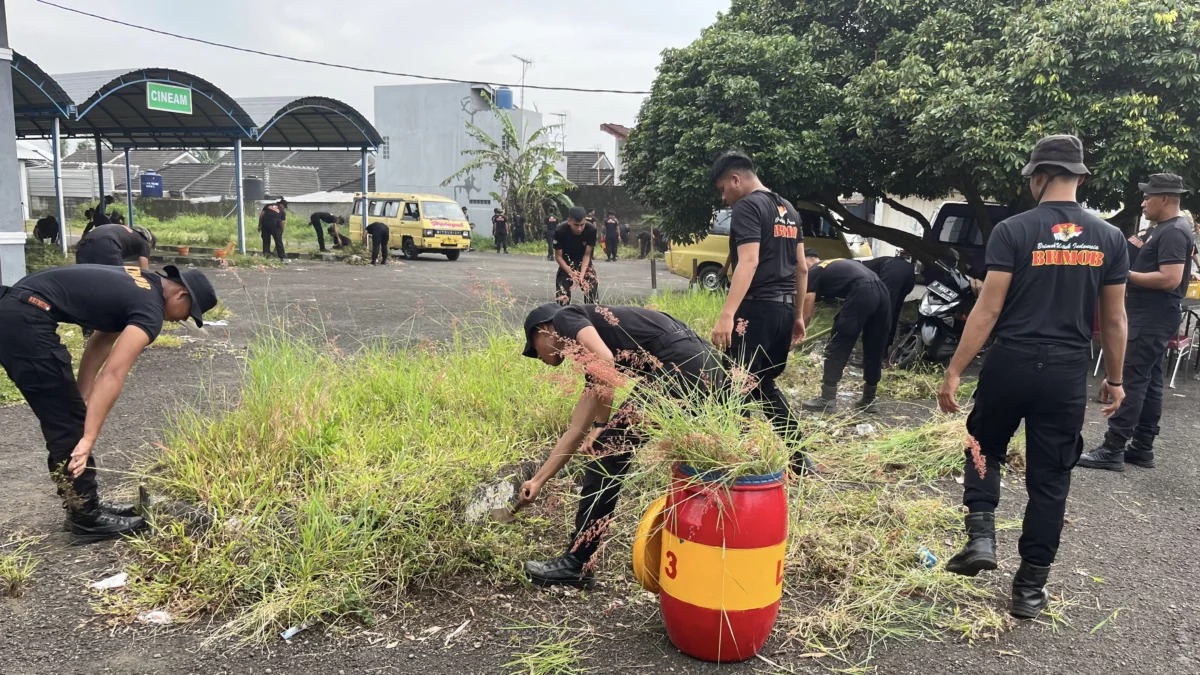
(114, 302)
(607, 342)
(1047, 268)
(1158, 281)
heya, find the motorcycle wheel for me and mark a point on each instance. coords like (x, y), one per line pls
(907, 352)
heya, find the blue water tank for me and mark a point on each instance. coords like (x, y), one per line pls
(504, 98)
(152, 185)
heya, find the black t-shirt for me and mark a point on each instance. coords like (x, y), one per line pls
(574, 246)
(1168, 243)
(773, 222)
(132, 244)
(1060, 256)
(321, 216)
(612, 228)
(836, 278)
(551, 225)
(635, 330)
(500, 223)
(272, 216)
(101, 297)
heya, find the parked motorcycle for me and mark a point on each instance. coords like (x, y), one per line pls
(942, 317)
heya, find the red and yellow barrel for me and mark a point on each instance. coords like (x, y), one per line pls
(720, 570)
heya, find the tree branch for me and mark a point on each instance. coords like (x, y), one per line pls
(978, 208)
(911, 213)
(926, 252)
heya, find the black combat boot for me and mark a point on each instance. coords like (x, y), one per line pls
(867, 402)
(566, 570)
(979, 553)
(1109, 455)
(98, 525)
(802, 464)
(111, 509)
(825, 403)
(1140, 451)
(1029, 596)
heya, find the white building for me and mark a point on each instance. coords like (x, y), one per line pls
(424, 135)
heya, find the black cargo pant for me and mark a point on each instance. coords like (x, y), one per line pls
(550, 245)
(38, 363)
(269, 233)
(316, 223)
(612, 247)
(699, 369)
(866, 312)
(518, 236)
(1142, 378)
(899, 277)
(1046, 386)
(380, 234)
(501, 240)
(104, 251)
(564, 283)
(763, 349)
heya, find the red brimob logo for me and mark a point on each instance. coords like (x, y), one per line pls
(1066, 231)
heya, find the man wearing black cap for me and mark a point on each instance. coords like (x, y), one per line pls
(759, 323)
(609, 343)
(1046, 269)
(900, 278)
(574, 243)
(271, 224)
(114, 302)
(113, 245)
(1158, 281)
(866, 311)
(551, 226)
(317, 219)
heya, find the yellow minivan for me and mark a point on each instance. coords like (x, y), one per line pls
(711, 253)
(417, 223)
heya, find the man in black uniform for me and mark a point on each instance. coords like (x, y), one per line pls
(271, 223)
(866, 311)
(519, 230)
(1046, 269)
(115, 302)
(619, 339)
(1158, 281)
(500, 230)
(46, 229)
(624, 231)
(643, 245)
(900, 278)
(96, 217)
(317, 219)
(551, 227)
(113, 245)
(574, 243)
(612, 236)
(380, 234)
(759, 323)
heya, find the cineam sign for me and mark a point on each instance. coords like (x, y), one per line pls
(169, 98)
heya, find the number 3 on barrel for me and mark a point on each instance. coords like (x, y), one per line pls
(672, 561)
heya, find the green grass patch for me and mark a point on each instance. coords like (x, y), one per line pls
(560, 653)
(17, 564)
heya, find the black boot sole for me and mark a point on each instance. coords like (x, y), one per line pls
(1106, 466)
(1027, 612)
(1144, 463)
(972, 566)
(542, 582)
(94, 537)
(828, 409)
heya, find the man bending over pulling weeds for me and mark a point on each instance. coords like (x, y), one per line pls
(606, 342)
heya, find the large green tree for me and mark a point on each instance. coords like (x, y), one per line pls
(896, 98)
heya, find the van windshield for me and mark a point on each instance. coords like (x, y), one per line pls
(441, 211)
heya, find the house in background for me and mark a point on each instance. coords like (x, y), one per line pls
(620, 133)
(589, 167)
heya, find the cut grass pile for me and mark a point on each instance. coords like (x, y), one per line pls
(560, 653)
(339, 482)
(17, 564)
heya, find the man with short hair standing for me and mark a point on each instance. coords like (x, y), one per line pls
(500, 230)
(551, 226)
(1046, 270)
(271, 224)
(574, 244)
(761, 321)
(1158, 281)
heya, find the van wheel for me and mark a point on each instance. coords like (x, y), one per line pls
(452, 255)
(410, 249)
(710, 278)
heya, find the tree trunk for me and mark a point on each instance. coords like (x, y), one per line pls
(978, 209)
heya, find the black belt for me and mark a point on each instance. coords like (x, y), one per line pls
(1036, 348)
(664, 341)
(786, 298)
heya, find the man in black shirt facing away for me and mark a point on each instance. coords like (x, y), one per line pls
(612, 236)
(760, 323)
(519, 230)
(380, 234)
(1158, 281)
(500, 230)
(46, 229)
(1046, 269)
(317, 219)
(652, 345)
(113, 245)
(866, 311)
(574, 243)
(271, 223)
(551, 227)
(900, 278)
(114, 302)
(643, 245)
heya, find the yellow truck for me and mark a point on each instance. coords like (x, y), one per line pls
(708, 256)
(417, 223)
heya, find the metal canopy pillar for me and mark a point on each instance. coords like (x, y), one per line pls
(58, 195)
(100, 175)
(128, 190)
(366, 201)
(241, 208)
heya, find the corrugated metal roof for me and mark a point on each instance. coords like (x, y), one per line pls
(310, 121)
(582, 167)
(37, 98)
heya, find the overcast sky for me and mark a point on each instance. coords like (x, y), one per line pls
(609, 45)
